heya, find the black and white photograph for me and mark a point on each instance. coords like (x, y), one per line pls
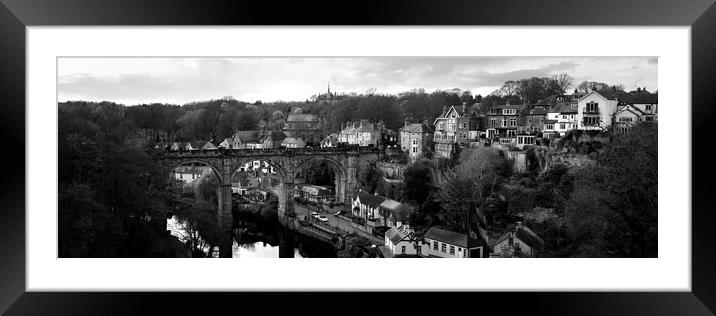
(357, 157)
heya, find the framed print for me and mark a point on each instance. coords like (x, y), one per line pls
(207, 147)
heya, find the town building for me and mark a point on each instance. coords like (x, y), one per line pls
(444, 136)
(415, 138)
(503, 122)
(401, 241)
(303, 125)
(366, 209)
(394, 213)
(257, 139)
(242, 186)
(291, 142)
(188, 174)
(330, 141)
(518, 241)
(443, 243)
(316, 193)
(363, 133)
(199, 145)
(468, 129)
(595, 110)
(561, 117)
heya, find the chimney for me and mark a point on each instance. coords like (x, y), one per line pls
(407, 121)
(464, 107)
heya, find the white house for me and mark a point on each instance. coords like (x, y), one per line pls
(442, 243)
(366, 206)
(190, 173)
(595, 110)
(401, 241)
(562, 117)
(290, 142)
(518, 241)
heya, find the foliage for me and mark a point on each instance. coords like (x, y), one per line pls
(417, 181)
(472, 180)
(613, 208)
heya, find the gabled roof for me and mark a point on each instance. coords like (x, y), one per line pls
(370, 199)
(445, 114)
(302, 117)
(248, 136)
(524, 234)
(416, 128)
(452, 238)
(537, 111)
(274, 136)
(396, 234)
(562, 107)
(639, 98)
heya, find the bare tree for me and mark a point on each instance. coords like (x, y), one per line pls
(563, 81)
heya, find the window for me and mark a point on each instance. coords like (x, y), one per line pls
(625, 119)
(504, 123)
(463, 125)
(493, 123)
(649, 118)
(511, 133)
(513, 122)
(444, 247)
(435, 245)
(592, 107)
(452, 250)
(549, 126)
(419, 250)
(648, 107)
(415, 142)
(402, 249)
(591, 121)
(415, 150)
(562, 125)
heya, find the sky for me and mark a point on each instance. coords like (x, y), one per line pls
(181, 80)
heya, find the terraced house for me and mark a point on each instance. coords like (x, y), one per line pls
(503, 122)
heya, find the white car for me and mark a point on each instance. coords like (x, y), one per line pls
(322, 218)
(314, 214)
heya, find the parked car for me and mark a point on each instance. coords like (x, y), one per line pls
(322, 218)
(314, 214)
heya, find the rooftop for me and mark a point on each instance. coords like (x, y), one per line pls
(452, 238)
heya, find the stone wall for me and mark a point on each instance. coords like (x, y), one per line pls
(391, 170)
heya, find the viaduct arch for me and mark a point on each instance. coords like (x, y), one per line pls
(287, 162)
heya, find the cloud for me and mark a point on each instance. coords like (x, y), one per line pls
(182, 80)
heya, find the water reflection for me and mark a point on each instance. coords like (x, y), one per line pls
(258, 239)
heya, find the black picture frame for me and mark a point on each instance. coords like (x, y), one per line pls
(16, 15)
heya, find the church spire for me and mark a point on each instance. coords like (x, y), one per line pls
(329, 88)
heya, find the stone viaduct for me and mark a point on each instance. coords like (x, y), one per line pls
(287, 162)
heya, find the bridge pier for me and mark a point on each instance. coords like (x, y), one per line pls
(225, 221)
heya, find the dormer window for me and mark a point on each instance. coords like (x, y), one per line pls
(574, 106)
(648, 107)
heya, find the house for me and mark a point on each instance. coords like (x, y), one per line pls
(445, 127)
(561, 117)
(401, 241)
(190, 173)
(303, 125)
(534, 119)
(244, 185)
(443, 243)
(415, 138)
(394, 213)
(243, 140)
(271, 139)
(468, 129)
(503, 122)
(291, 142)
(316, 193)
(634, 107)
(366, 208)
(362, 133)
(178, 146)
(330, 141)
(200, 145)
(595, 110)
(518, 241)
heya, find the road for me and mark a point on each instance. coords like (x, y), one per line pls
(334, 221)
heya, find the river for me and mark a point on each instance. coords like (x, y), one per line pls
(259, 239)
